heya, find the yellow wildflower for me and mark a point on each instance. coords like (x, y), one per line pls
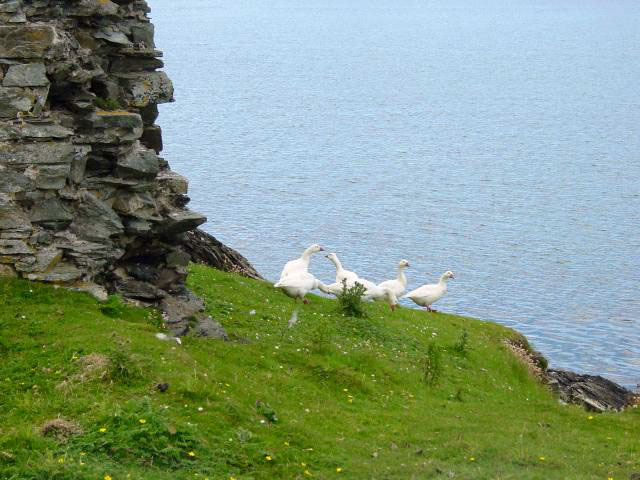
(102, 430)
(303, 464)
(338, 469)
(286, 444)
(542, 459)
(590, 417)
(192, 454)
(61, 460)
(308, 473)
(472, 459)
(268, 458)
(107, 477)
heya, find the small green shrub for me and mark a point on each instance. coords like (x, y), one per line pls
(123, 368)
(432, 365)
(461, 347)
(350, 300)
(109, 104)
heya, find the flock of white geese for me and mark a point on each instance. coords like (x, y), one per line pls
(296, 281)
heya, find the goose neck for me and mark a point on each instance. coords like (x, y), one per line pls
(402, 278)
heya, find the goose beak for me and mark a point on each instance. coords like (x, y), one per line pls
(321, 249)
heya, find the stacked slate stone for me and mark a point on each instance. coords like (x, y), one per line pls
(85, 200)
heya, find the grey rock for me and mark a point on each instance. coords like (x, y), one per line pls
(207, 250)
(173, 182)
(96, 291)
(113, 127)
(139, 205)
(10, 6)
(112, 36)
(93, 8)
(14, 247)
(180, 221)
(139, 290)
(78, 168)
(135, 64)
(11, 216)
(12, 181)
(51, 214)
(38, 153)
(143, 33)
(52, 176)
(183, 306)
(26, 75)
(95, 220)
(43, 261)
(152, 138)
(143, 88)
(136, 226)
(31, 130)
(61, 273)
(209, 328)
(19, 100)
(140, 163)
(593, 392)
(171, 279)
(177, 258)
(28, 41)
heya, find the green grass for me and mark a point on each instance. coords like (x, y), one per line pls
(332, 392)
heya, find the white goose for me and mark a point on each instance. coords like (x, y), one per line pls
(300, 264)
(341, 274)
(376, 292)
(399, 285)
(297, 285)
(427, 294)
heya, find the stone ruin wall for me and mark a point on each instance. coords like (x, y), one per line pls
(85, 200)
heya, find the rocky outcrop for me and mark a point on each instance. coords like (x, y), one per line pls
(84, 197)
(594, 392)
(207, 250)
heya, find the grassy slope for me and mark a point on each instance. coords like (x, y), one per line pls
(348, 395)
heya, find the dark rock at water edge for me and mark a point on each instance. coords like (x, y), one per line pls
(209, 328)
(594, 392)
(207, 250)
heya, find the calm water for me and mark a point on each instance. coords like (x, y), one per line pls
(498, 139)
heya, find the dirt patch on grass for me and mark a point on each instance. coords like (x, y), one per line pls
(60, 429)
(92, 366)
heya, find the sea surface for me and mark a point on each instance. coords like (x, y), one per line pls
(498, 139)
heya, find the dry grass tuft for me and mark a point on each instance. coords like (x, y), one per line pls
(60, 429)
